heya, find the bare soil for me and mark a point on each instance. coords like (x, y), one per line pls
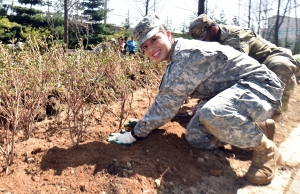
(48, 163)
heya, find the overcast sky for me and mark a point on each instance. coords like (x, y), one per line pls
(177, 12)
(174, 12)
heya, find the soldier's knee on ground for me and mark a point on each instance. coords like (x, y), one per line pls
(206, 117)
(198, 136)
(203, 143)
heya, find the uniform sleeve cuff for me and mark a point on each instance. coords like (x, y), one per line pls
(135, 136)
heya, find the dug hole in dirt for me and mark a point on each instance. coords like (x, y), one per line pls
(162, 163)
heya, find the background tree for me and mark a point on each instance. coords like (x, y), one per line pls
(31, 2)
(235, 21)
(28, 16)
(8, 29)
(3, 10)
(23, 17)
(66, 23)
(94, 9)
(279, 19)
(94, 12)
(145, 7)
(55, 21)
(201, 7)
(249, 14)
(222, 18)
(297, 31)
(259, 16)
(126, 24)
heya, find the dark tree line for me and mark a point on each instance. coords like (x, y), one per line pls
(63, 25)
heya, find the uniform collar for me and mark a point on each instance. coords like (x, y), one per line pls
(174, 48)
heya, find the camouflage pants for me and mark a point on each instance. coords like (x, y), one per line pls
(229, 118)
(286, 71)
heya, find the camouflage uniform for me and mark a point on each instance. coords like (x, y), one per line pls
(238, 91)
(106, 47)
(297, 57)
(276, 59)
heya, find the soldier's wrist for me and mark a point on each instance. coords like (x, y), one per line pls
(135, 136)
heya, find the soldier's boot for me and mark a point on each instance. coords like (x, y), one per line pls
(277, 112)
(266, 158)
(267, 127)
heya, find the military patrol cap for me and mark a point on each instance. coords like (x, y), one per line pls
(146, 28)
(198, 26)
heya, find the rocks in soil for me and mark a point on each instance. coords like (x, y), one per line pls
(41, 115)
(36, 150)
(125, 173)
(157, 183)
(35, 178)
(30, 160)
(52, 106)
(119, 170)
(216, 172)
(200, 160)
(82, 188)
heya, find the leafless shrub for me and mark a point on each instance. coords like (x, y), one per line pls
(83, 81)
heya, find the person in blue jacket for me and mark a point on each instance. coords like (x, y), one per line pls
(131, 46)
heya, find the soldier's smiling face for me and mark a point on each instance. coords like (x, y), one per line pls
(158, 47)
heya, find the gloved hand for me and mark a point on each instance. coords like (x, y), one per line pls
(131, 123)
(123, 138)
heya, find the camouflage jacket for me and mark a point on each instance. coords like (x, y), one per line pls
(247, 41)
(202, 70)
(297, 57)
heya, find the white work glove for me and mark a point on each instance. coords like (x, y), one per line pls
(123, 138)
